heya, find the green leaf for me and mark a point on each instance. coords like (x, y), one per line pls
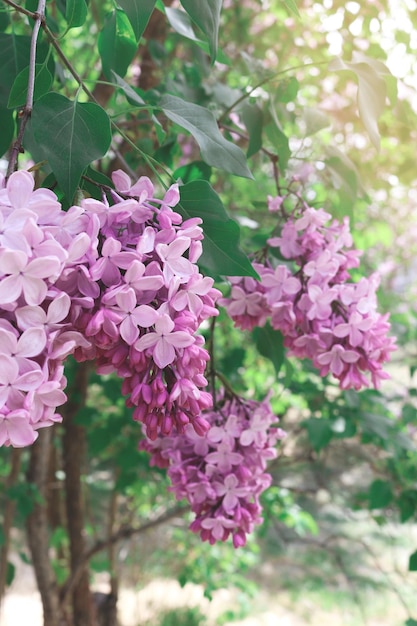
(292, 7)
(371, 75)
(252, 117)
(14, 54)
(319, 432)
(18, 92)
(95, 190)
(132, 96)
(4, 18)
(71, 135)
(139, 13)
(197, 170)
(181, 23)
(116, 44)
(287, 90)
(270, 343)
(411, 622)
(7, 129)
(407, 503)
(206, 15)
(135, 99)
(201, 123)
(10, 573)
(380, 494)
(412, 563)
(280, 143)
(221, 253)
(75, 13)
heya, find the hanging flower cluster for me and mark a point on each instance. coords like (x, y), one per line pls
(309, 297)
(223, 473)
(115, 282)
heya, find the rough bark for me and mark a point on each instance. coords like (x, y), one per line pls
(74, 445)
(38, 532)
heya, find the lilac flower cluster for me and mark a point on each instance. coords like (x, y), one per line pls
(222, 474)
(116, 282)
(323, 315)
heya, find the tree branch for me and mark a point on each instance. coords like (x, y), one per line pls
(125, 532)
(20, 9)
(39, 18)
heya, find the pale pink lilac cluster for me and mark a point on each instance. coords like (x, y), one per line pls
(222, 474)
(311, 299)
(111, 281)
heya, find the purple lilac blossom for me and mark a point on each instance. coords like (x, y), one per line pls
(310, 298)
(222, 473)
(115, 282)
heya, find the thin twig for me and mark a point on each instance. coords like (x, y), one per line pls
(39, 18)
(20, 9)
(265, 80)
(125, 532)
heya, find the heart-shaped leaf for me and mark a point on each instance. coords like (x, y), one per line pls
(19, 90)
(71, 135)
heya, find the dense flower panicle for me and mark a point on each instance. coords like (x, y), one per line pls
(222, 474)
(112, 281)
(322, 314)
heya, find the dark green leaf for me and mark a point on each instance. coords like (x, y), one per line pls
(221, 252)
(116, 44)
(380, 494)
(14, 55)
(4, 18)
(411, 622)
(270, 344)
(206, 14)
(197, 170)
(18, 92)
(201, 123)
(94, 189)
(252, 117)
(319, 432)
(10, 572)
(139, 13)
(75, 13)
(7, 129)
(71, 135)
(412, 563)
(407, 503)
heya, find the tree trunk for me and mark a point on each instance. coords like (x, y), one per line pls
(16, 456)
(74, 447)
(38, 532)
